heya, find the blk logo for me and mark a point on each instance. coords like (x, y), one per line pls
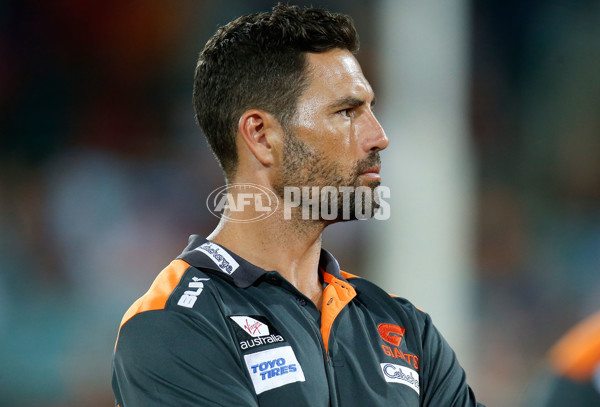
(391, 333)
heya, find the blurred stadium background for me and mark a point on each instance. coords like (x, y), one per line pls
(103, 175)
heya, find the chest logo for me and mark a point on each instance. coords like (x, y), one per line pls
(400, 374)
(254, 331)
(273, 368)
(252, 326)
(392, 334)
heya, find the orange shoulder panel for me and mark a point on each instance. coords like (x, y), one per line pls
(577, 353)
(160, 290)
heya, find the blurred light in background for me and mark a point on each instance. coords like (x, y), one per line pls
(425, 251)
(103, 175)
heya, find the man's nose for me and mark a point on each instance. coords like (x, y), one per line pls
(375, 137)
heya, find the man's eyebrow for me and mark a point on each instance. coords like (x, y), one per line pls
(350, 101)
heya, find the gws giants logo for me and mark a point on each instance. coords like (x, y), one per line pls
(393, 334)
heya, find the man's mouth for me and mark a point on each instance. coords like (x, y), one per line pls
(371, 172)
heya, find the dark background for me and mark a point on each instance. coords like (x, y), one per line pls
(103, 175)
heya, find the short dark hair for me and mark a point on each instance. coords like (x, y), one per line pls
(258, 61)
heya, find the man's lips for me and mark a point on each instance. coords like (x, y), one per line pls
(374, 169)
(372, 172)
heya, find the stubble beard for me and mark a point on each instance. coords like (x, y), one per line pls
(302, 166)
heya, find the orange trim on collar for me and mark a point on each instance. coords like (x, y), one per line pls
(336, 296)
(577, 353)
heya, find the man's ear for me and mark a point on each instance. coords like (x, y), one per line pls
(261, 133)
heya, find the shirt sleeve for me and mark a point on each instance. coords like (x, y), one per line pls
(171, 359)
(444, 381)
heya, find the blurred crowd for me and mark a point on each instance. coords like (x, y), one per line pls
(104, 175)
(535, 101)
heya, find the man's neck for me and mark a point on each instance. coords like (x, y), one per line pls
(290, 247)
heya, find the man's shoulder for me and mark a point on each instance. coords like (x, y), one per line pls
(178, 288)
(374, 294)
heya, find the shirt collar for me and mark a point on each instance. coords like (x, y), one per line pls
(204, 254)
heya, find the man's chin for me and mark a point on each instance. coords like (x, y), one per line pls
(367, 182)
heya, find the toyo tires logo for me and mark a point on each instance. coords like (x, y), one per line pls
(242, 198)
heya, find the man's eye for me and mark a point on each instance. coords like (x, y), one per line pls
(346, 112)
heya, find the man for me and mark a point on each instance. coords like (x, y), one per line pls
(257, 313)
(574, 375)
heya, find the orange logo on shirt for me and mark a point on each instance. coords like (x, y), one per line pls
(391, 333)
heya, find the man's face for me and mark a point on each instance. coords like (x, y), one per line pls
(334, 139)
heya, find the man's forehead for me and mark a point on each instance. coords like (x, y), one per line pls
(337, 70)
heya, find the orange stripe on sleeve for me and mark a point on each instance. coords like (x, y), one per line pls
(336, 296)
(156, 297)
(577, 353)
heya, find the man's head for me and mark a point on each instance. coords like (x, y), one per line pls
(259, 61)
(334, 139)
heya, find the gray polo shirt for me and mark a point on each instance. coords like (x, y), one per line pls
(215, 330)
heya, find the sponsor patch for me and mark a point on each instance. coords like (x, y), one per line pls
(273, 368)
(400, 374)
(254, 331)
(253, 326)
(219, 256)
